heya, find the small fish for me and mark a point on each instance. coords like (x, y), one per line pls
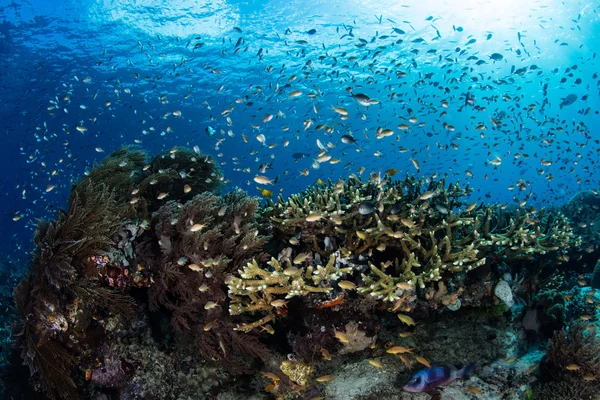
(348, 139)
(573, 367)
(341, 110)
(210, 305)
(197, 227)
(279, 303)
(376, 364)
(300, 258)
(210, 325)
(427, 380)
(313, 217)
(263, 180)
(347, 285)
(407, 222)
(423, 361)
(404, 285)
(195, 267)
(341, 336)
(470, 207)
(399, 350)
(325, 378)
(271, 376)
(427, 195)
(406, 319)
(366, 207)
(325, 354)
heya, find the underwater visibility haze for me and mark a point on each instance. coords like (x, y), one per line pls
(299, 199)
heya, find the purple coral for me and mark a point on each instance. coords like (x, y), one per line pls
(114, 373)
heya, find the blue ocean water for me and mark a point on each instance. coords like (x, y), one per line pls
(119, 70)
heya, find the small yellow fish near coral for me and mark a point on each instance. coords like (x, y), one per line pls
(347, 285)
(399, 350)
(278, 303)
(341, 337)
(406, 319)
(195, 267)
(573, 367)
(313, 217)
(325, 354)
(325, 378)
(376, 364)
(423, 361)
(266, 193)
(300, 258)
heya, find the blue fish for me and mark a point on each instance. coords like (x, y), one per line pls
(427, 380)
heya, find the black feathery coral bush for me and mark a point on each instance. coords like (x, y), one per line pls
(55, 285)
(201, 242)
(121, 171)
(576, 348)
(177, 174)
(66, 299)
(565, 390)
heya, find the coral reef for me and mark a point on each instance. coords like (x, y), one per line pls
(200, 244)
(572, 359)
(584, 210)
(565, 391)
(176, 174)
(546, 314)
(596, 276)
(399, 236)
(81, 269)
(11, 272)
(151, 285)
(57, 301)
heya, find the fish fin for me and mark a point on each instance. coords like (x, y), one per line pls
(467, 371)
(276, 179)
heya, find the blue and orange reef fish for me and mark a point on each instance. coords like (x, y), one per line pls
(427, 380)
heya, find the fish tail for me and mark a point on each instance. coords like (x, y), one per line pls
(466, 372)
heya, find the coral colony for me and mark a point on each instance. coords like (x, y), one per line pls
(150, 266)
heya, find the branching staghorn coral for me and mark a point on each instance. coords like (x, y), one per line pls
(412, 231)
(262, 289)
